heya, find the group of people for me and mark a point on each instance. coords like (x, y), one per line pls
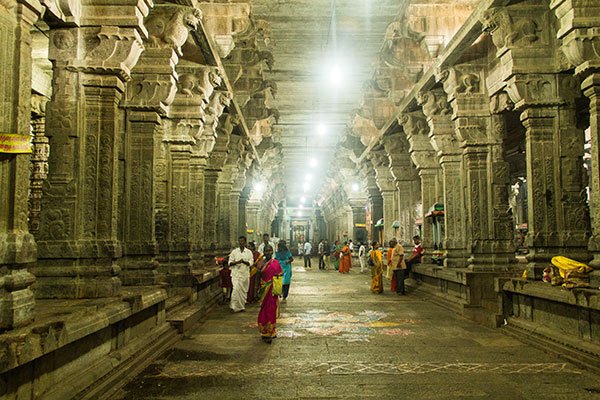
(252, 273)
(397, 268)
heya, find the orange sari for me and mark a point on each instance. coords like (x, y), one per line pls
(345, 260)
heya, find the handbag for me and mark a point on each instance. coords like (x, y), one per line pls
(277, 288)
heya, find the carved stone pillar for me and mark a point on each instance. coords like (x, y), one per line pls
(150, 92)
(78, 241)
(558, 215)
(18, 246)
(224, 185)
(174, 243)
(215, 164)
(578, 31)
(39, 161)
(243, 218)
(443, 140)
(198, 165)
(424, 157)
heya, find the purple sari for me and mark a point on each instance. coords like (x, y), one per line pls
(267, 316)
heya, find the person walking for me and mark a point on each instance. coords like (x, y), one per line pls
(266, 241)
(320, 251)
(362, 257)
(269, 304)
(254, 280)
(240, 260)
(307, 252)
(398, 266)
(376, 261)
(284, 256)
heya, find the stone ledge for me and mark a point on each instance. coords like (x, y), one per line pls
(61, 322)
(580, 297)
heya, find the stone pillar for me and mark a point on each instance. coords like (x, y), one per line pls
(579, 24)
(39, 161)
(445, 143)
(210, 199)
(224, 185)
(557, 213)
(243, 218)
(18, 248)
(78, 241)
(198, 164)
(485, 175)
(423, 155)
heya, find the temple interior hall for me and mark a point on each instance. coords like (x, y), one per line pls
(432, 167)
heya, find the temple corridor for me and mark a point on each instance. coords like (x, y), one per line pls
(336, 340)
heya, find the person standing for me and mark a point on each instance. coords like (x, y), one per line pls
(346, 260)
(388, 256)
(307, 251)
(267, 316)
(266, 241)
(362, 257)
(398, 266)
(336, 253)
(326, 255)
(254, 281)
(376, 269)
(320, 251)
(240, 260)
(284, 256)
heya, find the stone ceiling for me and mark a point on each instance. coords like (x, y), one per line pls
(309, 38)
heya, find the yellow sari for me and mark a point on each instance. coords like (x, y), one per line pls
(376, 271)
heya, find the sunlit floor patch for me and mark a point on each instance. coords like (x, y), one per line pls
(350, 327)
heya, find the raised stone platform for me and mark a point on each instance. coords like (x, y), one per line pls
(565, 321)
(80, 348)
(469, 293)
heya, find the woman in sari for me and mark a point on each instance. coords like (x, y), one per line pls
(336, 252)
(376, 269)
(346, 260)
(284, 256)
(267, 316)
(254, 274)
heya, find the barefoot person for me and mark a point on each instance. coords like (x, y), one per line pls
(267, 316)
(240, 260)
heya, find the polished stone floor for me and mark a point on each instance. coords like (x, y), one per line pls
(336, 340)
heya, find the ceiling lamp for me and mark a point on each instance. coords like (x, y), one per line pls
(321, 129)
(355, 187)
(302, 200)
(308, 177)
(313, 162)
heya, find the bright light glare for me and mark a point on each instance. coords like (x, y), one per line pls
(308, 177)
(258, 186)
(302, 199)
(355, 187)
(306, 186)
(321, 129)
(335, 75)
(299, 213)
(313, 162)
(301, 206)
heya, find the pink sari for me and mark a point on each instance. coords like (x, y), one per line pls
(267, 316)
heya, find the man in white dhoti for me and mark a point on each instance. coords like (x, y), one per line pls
(240, 260)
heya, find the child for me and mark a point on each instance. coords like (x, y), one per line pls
(225, 275)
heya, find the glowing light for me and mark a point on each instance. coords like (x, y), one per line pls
(313, 162)
(355, 187)
(258, 186)
(306, 186)
(299, 213)
(335, 75)
(301, 206)
(308, 177)
(302, 200)
(321, 129)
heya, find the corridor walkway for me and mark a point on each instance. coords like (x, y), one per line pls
(339, 341)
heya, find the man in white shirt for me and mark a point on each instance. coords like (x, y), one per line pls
(307, 250)
(240, 260)
(266, 240)
(321, 251)
(362, 257)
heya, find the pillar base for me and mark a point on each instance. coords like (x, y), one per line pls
(16, 299)
(139, 270)
(455, 258)
(83, 279)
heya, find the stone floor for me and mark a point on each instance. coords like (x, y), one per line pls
(336, 340)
